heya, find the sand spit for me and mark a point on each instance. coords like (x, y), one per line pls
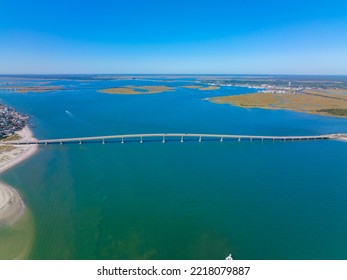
(11, 205)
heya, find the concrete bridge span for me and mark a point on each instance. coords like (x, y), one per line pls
(163, 137)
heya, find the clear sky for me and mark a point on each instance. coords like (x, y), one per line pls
(173, 36)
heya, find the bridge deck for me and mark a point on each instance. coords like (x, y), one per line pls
(179, 136)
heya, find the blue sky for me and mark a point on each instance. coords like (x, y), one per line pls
(148, 36)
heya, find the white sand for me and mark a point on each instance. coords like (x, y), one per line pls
(11, 205)
(20, 153)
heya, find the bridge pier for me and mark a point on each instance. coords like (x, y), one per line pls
(179, 137)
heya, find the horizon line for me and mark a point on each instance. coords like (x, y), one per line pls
(167, 74)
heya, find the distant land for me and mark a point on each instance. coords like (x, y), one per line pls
(313, 95)
(320, 95)
(311, 102)
(136, 90)
(151, 89)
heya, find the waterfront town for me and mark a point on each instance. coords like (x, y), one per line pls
(11, 121)
(287, 85)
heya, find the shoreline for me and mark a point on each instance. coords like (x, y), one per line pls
(11, 204)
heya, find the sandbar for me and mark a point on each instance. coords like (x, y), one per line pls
(11, 205)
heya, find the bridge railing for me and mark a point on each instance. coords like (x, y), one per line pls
(173, 136)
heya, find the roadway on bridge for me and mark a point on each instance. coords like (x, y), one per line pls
(175, 136)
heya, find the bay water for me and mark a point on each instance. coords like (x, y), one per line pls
(191, 200)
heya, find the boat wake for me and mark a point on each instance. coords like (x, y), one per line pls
(70, 114)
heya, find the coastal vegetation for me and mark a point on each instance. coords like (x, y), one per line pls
(26, 89)
(154, 89)
(336, 112)
(38, 89)
(312, 102)
(6, 148)
(12, 137)
(327, 91)
(119, 90)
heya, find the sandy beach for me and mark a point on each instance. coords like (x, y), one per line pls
(11, 205)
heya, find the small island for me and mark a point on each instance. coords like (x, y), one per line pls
(136, 90)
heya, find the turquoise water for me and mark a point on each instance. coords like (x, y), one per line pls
(179, 200)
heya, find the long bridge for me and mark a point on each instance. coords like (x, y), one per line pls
(163, 137)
